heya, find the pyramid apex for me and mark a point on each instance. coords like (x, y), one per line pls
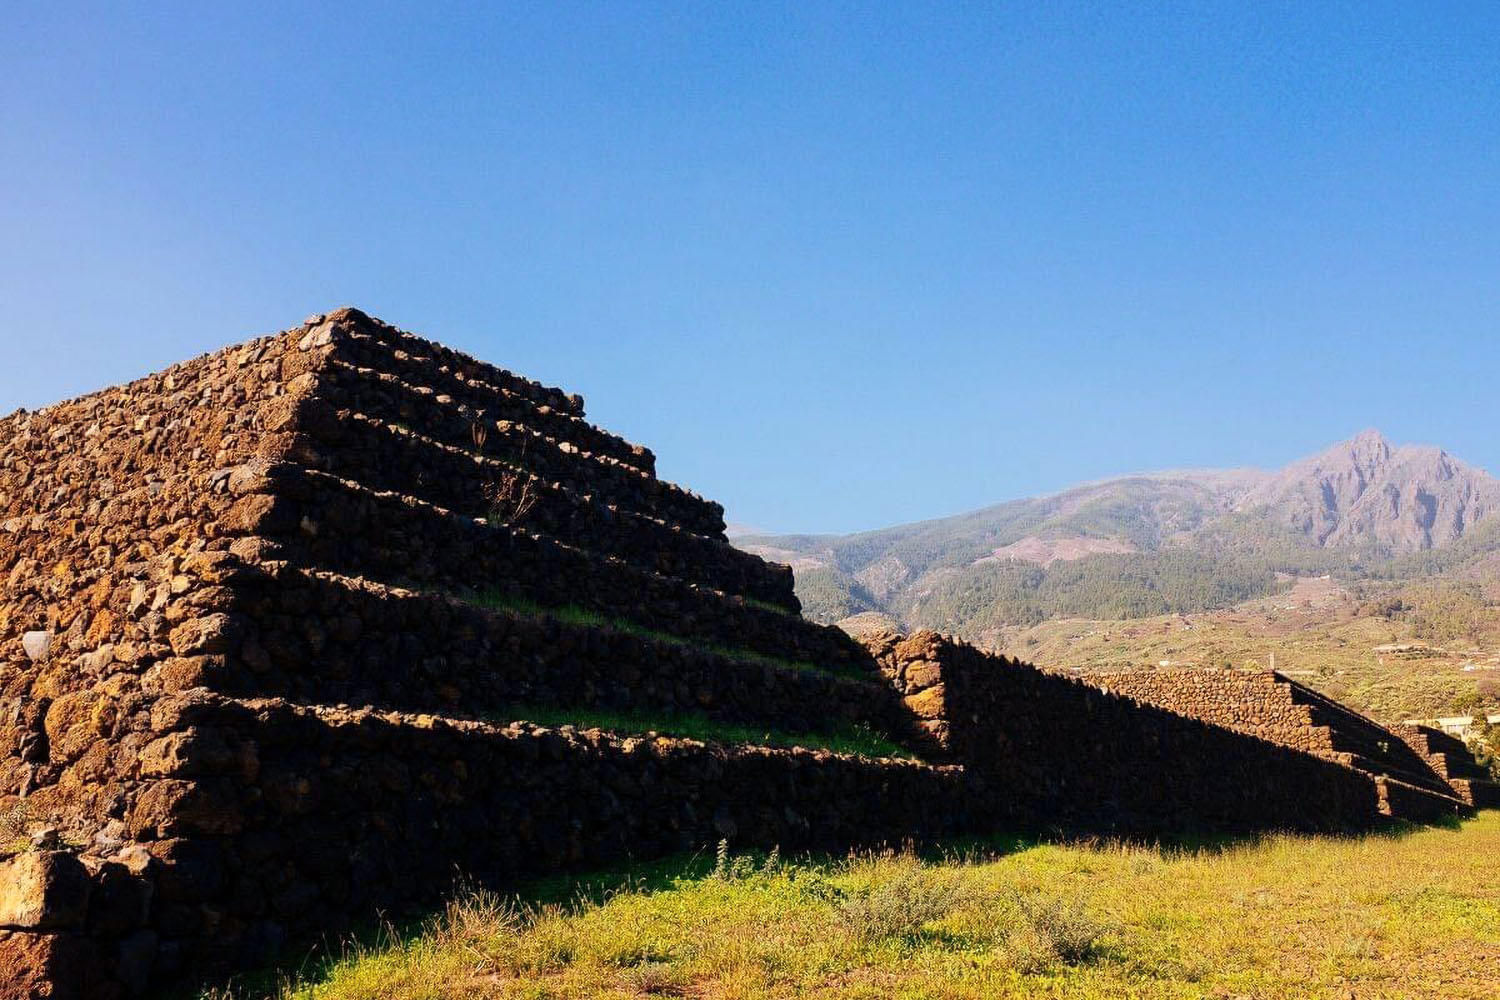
(341, 314)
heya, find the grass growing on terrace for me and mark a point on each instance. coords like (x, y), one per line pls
(859, 740)
(777, 609)
(1416, 915)
(574, 615)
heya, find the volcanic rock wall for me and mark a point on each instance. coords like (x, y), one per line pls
(1255, 702)
(1276, 708)
(352, 810)
(1065, 752)
(1454, 762)
(113, 553)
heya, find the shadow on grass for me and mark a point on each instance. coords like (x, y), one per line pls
(575, 891)
(572, 891)
(1218, 843)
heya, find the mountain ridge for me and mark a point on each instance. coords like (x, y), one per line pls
(1155, 542)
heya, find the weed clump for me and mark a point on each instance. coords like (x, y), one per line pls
(15, 824)
(1055, 929)
(902, 897)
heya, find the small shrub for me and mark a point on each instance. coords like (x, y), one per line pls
(1064, 926)
(1033, 932)
(905, 896)
(476, 915)
(1485, 745)
(510, 497)
(656, 979)
(1028, 950)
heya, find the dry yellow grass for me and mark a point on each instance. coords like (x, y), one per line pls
(1414, 915)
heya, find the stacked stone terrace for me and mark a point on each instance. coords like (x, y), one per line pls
(270, 618)
(415, 493)
(1452, 760)
(1059, 751)
(1415, 771)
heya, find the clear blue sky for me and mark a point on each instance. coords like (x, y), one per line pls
(839, 265)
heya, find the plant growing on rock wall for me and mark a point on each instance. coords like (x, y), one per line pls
(510, 497)
(15, 822)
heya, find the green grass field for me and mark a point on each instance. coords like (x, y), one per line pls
(1410, 914)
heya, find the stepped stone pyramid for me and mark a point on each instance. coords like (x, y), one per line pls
(270, 612)
(273, 620)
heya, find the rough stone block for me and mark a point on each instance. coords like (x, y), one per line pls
(38, 646)
(43, 891)
(927, 704)
(44, 966)
(922, 674)
(121, 901)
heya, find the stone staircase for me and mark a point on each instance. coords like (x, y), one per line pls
(1365, 744)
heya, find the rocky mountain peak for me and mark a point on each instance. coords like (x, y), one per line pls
(1368, 447)
(1367, 492)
